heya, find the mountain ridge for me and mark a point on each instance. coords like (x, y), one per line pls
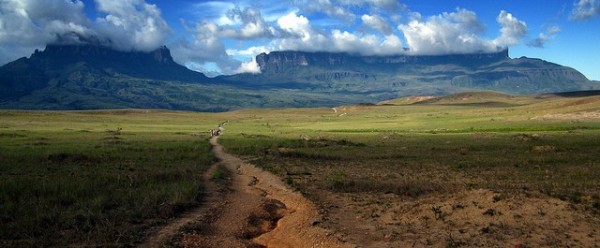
(95, 77)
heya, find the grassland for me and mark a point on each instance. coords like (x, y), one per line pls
(97, 178)
(542, 144)
(352, 160)
(106, 177)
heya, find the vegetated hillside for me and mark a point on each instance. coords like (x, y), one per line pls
(60, 64)
(388, 77)
(88, 76)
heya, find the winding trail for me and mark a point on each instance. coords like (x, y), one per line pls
(258, 210)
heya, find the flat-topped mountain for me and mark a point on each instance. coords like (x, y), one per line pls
(279, 60)
(62, 63)
(402, 75)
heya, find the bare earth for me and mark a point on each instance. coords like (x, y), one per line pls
(473, 218)
(258, 210)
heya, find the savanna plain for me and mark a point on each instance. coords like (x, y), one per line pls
(477, 169)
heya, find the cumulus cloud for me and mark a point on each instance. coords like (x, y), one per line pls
(585, 9)
(132, 24)
(304, 37)
(544, 37)
(378, 23)
(459, 32)
(455, 32)
(247, 24)
(512, 30)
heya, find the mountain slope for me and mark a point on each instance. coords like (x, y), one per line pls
(61, 63)
(402, 75)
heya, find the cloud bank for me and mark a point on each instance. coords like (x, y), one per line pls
(124, 25)
(26, 25)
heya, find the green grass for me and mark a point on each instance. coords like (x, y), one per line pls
(414, 150)
(103, 178)
(69, 178)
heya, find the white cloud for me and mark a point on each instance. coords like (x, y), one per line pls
(207, 41)
(248, 67)
(378, 23)
(585, 9)
(29, 25)
(455, 32)
(127, 25)
(542, 38)
(253, 26)
(302, 36)
(251, 51)
(36, 23)
(512, 30)
(336, 9)
(241, 25)
(295, 24)
(132, 24)
(459, 32)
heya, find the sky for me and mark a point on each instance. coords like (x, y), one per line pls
(223, 37)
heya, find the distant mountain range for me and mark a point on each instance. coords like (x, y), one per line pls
(95, 77)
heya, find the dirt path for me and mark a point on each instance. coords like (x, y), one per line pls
(210, 200)
(258, 210)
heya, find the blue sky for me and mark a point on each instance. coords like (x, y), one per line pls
(222, 37)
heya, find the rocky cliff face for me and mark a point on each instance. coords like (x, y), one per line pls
(406, 74)
(278, 61)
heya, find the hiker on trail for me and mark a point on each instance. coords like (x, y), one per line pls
(215, 132)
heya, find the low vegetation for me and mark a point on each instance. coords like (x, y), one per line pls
(106, 177)
(378, 164)
(96, 178)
